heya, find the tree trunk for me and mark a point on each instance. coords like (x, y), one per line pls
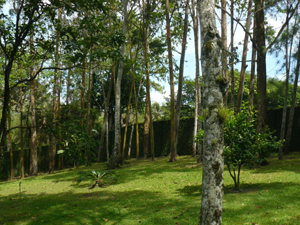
(82, 92)
(146, 129)
(292, 109)
(244, 57)
(213, 161)
(105, 113)
(252, 78)
(261, 66)
(173, 131)
(10, 146)
(127, 119)
(136, 122)
(55, 105)
(114, 158)
(34, 162)
(196, 42)
(232, 100)
(22, 137)
(224, 49)
(180, 84)
(287, 67)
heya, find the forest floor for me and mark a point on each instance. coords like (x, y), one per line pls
(153, 193)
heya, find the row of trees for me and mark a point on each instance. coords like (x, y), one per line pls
(68, 63)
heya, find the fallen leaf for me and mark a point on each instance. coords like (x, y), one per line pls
(105, 219)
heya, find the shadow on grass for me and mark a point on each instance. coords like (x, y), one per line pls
(274, 203)
(97, 207)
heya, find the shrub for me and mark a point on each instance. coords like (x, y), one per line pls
(243, 145)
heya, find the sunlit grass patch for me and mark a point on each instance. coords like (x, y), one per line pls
(156, 192)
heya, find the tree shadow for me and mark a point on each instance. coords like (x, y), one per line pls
(96, 207)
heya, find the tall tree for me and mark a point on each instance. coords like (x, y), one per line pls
(213, 161)
(173, 131)
(52, 152)
(244, 57)
(232, 52)
(195, 17)
(114, 157)
(147, 70)
(224, 49)
(261, 65)
(180, 83)
(292, 109)
(253, 62)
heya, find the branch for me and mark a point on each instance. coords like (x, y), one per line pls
(243, 27)
(40, 70)
(283, 26)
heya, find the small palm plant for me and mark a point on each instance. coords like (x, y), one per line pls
(96, 176)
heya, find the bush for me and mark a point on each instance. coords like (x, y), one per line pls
(243, 145)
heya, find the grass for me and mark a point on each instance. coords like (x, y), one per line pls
(154, 193)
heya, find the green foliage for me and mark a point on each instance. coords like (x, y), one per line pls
(199, 136)
(242, 144)
(77, 142)
(96, 176)
(224, 113)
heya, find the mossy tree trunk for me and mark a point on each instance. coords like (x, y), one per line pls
(213, 161)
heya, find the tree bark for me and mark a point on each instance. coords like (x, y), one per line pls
(114, 158)
(287, 67)
(55, 105)
(253, 62)
(224, 49)
(292, 109)
(22, 137)
(232, 100)
(10, 146)
(244, 57)
(213, 161)
(173, 131)
(34, 157)
(180, 84)
(197, 75)
(261, 66)
(105, 114)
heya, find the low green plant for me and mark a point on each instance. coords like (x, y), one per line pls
(242, 144)
(97, 177)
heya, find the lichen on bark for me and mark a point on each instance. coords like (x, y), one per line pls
(213, 162)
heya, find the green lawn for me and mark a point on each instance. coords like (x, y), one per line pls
(154, 193)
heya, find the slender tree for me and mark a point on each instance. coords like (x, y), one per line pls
(293, 104)
(180, 83)
(224, 49)
(244, 57)
(195, 17)
(173, 131)
(114, 157)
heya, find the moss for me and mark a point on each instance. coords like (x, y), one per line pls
(208, 46)
(219, 79)
(206, 113)
(224, 113)
(214, 141)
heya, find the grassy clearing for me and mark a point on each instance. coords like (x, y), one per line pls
(154, 193)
